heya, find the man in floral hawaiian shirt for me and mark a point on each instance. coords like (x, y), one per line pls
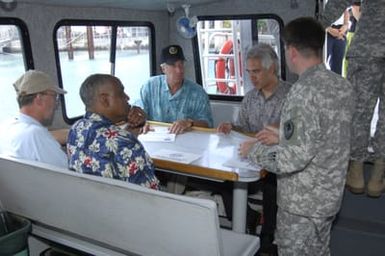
(97, 146)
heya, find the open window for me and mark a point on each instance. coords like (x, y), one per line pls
(15, 59)
(82, 48)
(221, 46)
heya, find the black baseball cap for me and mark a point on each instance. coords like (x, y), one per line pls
(171, 54)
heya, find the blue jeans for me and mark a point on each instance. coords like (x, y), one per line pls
(335, 53)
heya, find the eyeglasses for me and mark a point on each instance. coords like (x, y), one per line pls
(55, 95)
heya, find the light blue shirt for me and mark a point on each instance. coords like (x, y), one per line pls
(189, 102)
(25, 138)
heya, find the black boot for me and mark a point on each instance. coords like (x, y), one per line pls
(268, 248)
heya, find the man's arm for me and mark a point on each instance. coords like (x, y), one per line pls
(269, 135)
(224, 127)
(136, 120)
(136, 117)
(181, 126)
(199, 123)
(298, 143)
(46, 149)
(60, 135)
(202, 118)
(299, 138)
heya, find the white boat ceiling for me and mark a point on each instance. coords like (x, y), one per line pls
(149, 5)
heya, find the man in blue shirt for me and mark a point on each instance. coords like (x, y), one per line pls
(172, 98)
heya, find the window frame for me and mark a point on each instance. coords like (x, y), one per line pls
(195, 47)
(23, 61)
(112, 58)
(25, 39)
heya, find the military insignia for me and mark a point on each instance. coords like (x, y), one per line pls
(173, 50)
(288, 129)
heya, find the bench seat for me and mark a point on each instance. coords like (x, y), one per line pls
(109, 217)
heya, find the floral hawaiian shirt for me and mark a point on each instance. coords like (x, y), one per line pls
(96, 146)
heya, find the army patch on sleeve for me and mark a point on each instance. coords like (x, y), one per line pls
(288, 129)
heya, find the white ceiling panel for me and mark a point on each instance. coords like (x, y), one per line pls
(155, 5)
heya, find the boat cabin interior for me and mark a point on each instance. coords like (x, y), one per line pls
(71, 39)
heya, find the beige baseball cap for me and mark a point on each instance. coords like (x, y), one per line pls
(34, 81)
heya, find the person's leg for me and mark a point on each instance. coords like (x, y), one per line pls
(338, 55)
(269, 205)
(366, 91)
(305, 236)
(329, 49)
(226, 191)
(366, 94)
(253, 216)
(376, 183)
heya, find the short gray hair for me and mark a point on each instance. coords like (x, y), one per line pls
(266, 54)
(92, 84)
(25, 100)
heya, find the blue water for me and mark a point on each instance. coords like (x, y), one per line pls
(131, 68)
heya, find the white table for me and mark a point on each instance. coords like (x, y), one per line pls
(214, 150)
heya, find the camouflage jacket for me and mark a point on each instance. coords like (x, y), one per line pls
(369, 38)
(312, 156)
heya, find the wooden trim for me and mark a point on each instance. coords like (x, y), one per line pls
(158, 123)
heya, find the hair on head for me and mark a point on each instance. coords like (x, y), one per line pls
(306, 34)
(90, 87)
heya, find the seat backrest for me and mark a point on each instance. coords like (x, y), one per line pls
(113, 213)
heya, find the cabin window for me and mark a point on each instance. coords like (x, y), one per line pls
(221, 46)
(15, 59)
(122, 49)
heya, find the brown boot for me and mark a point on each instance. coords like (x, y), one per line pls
(376, 182)
(355, 178)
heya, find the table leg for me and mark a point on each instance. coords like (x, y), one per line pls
(239, 206)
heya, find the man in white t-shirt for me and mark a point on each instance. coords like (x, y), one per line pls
(26, 136)
(336, 42)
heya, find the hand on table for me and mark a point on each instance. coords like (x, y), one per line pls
(181, 126)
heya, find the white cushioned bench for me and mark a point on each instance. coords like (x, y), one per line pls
(109, 217)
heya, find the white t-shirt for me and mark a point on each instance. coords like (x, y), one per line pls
(24, 137)
(339, 21)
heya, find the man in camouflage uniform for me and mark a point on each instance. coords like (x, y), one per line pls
(312, 156)
(366, 68)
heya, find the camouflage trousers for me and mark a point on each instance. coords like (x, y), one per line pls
(298, 235)
(368, 80)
